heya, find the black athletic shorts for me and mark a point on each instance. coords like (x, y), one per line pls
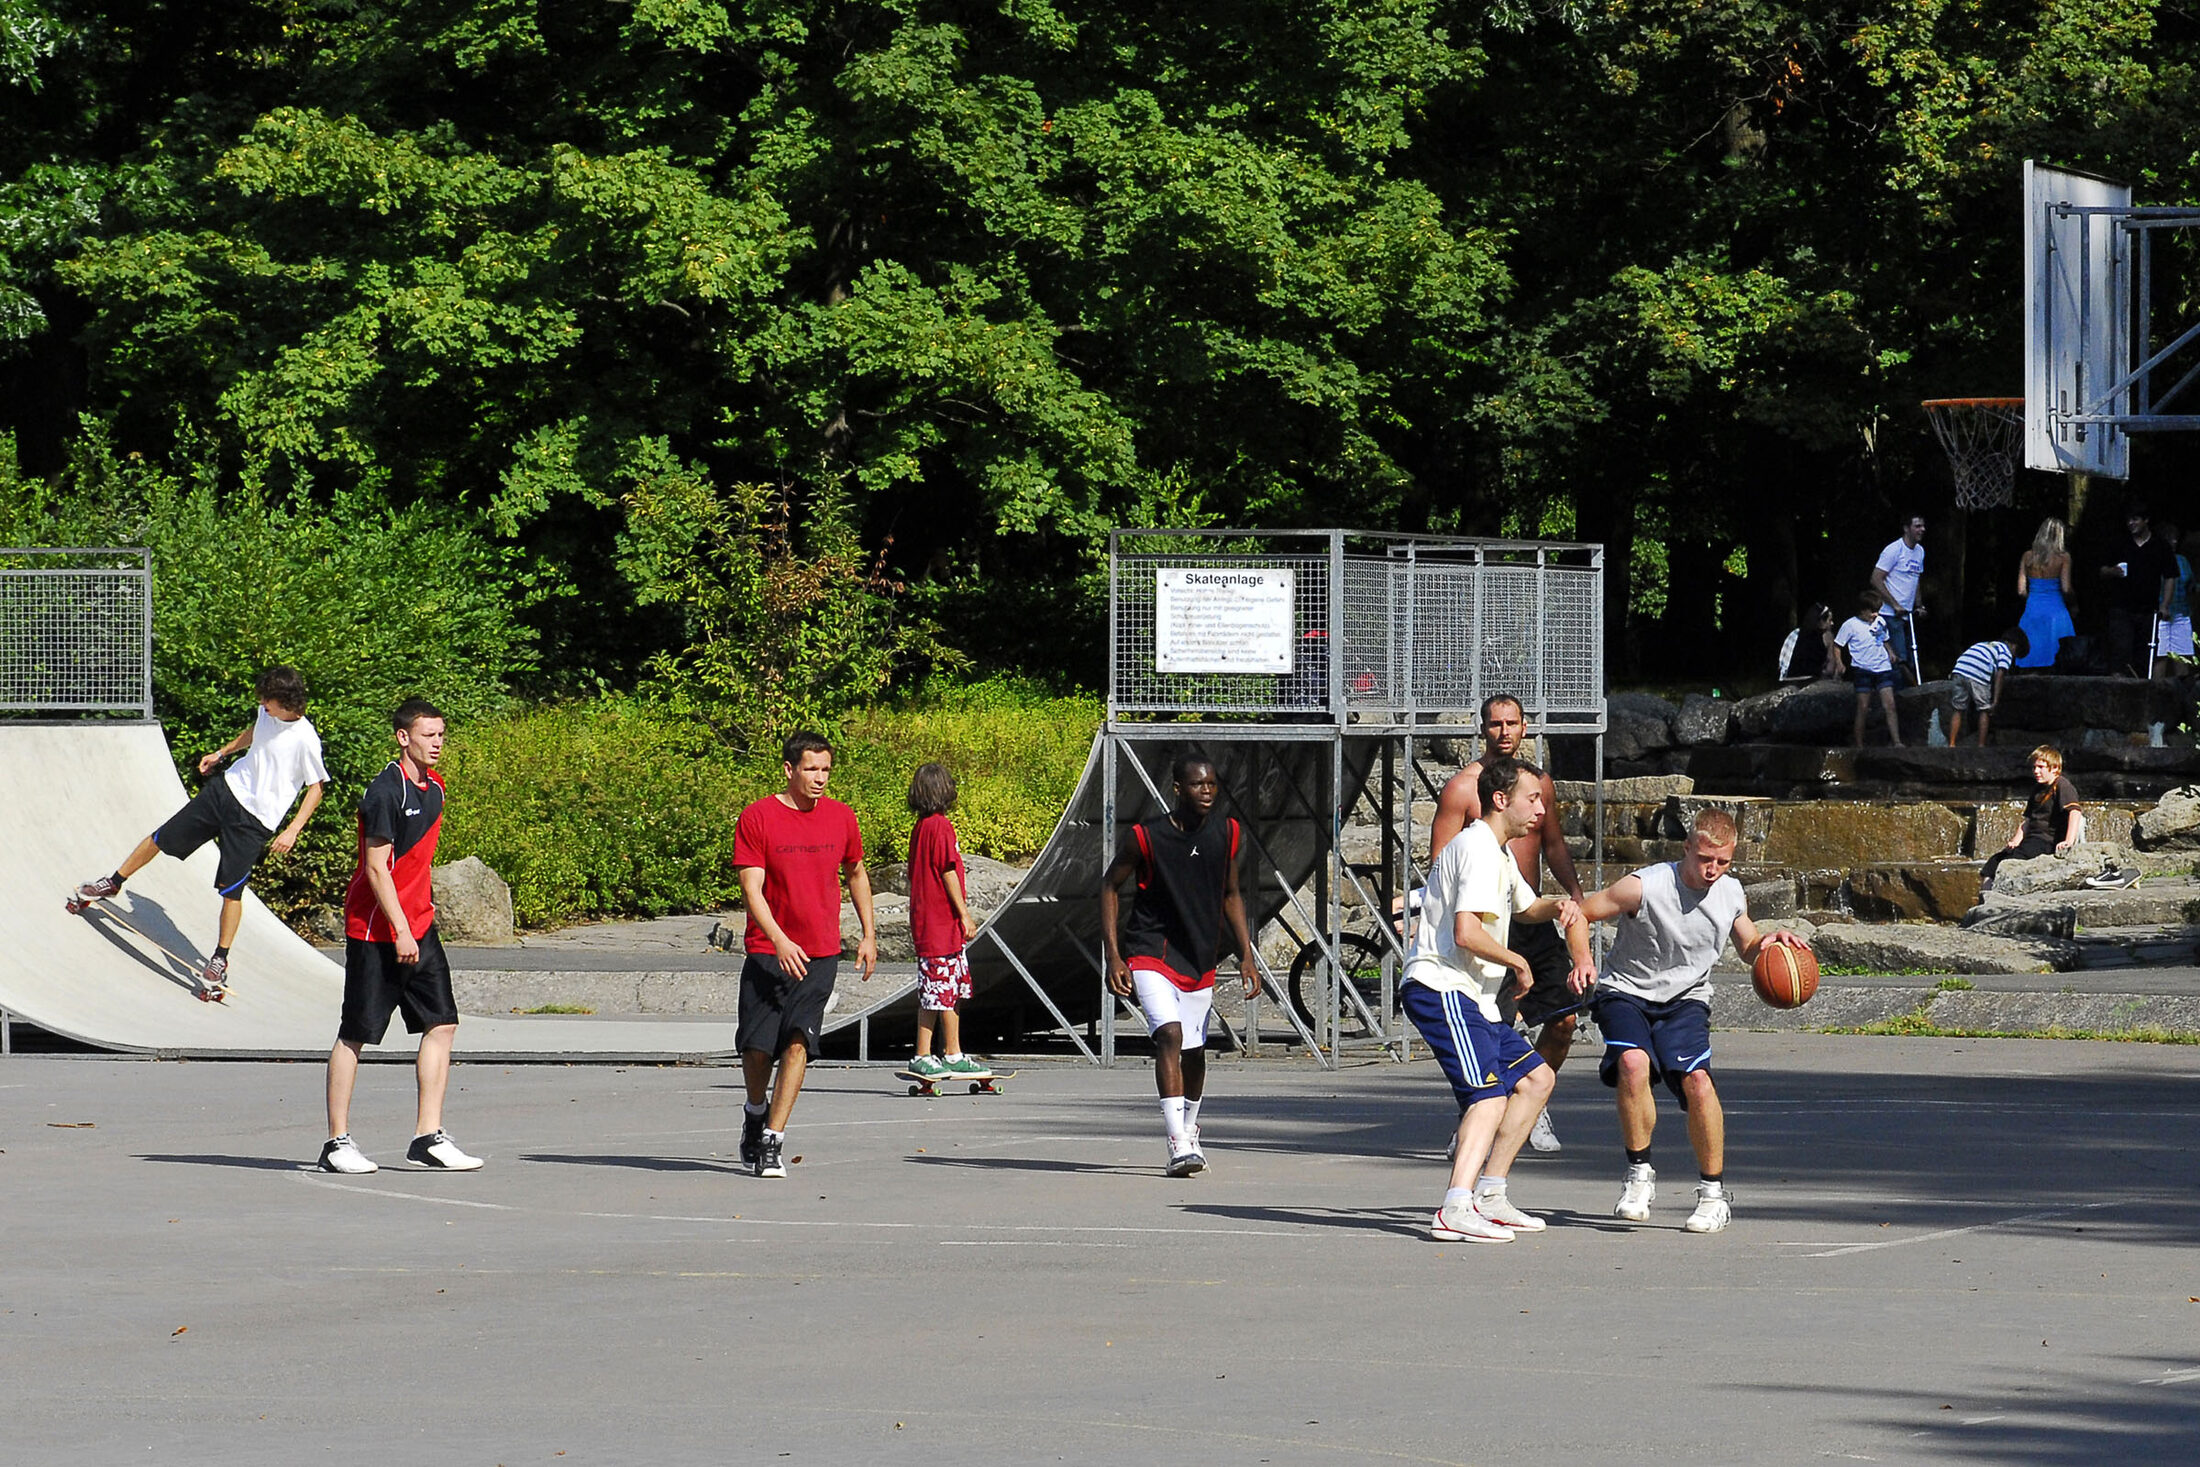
(777, 1011)
(1549, 963)
(375, 983)
(215, 814)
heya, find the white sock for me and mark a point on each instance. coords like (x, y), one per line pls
(753, 1108)
(1172, 1119)
(1712, 1189)
(771, 1135)
(954, 1058)
(1489, 1186)
(1458, 1196)
(1191, 1115)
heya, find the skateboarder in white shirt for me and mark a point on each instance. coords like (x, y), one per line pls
(240, 810)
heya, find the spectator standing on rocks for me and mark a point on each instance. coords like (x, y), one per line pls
(1978, 679)
(2052, 822)
(940, 925)
(1504, 726)
(2141, 582)
(791, 852)
(1807, 655)
(1864, 638)
(2043, 580)
(2176, 608)
(1895, 576)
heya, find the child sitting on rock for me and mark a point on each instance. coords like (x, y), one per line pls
(2052, 822)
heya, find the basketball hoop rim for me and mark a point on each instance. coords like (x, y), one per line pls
(2014, 404)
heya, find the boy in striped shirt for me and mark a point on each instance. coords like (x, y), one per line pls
(1978, 677)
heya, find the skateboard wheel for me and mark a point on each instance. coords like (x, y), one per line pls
(916, 1090)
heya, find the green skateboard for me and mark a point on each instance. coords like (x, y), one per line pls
(932, 1086)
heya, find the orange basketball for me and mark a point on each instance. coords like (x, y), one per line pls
(1784, 976)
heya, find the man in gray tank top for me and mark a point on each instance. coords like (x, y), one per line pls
(1654, 1005)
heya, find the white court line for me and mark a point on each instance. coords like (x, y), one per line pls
(2175, 1377)
(2007, 1222)
(1025, 1243)
(728, 1220)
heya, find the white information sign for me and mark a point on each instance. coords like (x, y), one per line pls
(1222, 619)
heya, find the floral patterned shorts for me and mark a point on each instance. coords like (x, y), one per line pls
(943, 982)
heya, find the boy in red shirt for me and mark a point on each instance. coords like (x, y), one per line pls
(939, 924)
(792, 850)
(393, 959)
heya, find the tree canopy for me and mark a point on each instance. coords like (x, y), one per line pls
(676, 298)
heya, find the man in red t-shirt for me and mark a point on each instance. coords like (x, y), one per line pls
(393, 959)
(792, 850)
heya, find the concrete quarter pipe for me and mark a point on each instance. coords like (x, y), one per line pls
(74, 798)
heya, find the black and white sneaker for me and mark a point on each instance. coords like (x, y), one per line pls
(339, 1154)
(438, 1152)
(752, 1138)
(768, 1163)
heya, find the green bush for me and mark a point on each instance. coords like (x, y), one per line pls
(372, 604)
(622, 806)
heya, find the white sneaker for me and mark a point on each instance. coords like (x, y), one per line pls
(1466, 1225)
(1543, 1138)
(1641, 1190)
(438, 1152)
(1187, 1162)
(339, 1154)
(1498, 1208)
(1713, 1211)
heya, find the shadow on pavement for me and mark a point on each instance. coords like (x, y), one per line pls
(244, 1163)
(641, 1163)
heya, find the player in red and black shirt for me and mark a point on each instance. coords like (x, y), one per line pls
(393, 959)
(1186, 864)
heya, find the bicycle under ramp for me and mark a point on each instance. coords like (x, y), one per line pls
(74, 798)
(1036, 962)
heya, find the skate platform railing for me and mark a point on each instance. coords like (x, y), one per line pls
(76, 631)
(1351, 626)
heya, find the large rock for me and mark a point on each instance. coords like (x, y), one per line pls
(2049, 703)
(2169, 903)
(990, 881)
(1637, 726)
(1702, 721)
(2173, 824)
(1924, 889)
(473, 906)
(1753, 716)
(1966, 763)
(1823, 713)
(1844, 834)
(891, 913)
(2055, 873)
(1911, 947)
(1644, 789)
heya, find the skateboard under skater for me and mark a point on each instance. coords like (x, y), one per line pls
(930, 1086)
(201, 990)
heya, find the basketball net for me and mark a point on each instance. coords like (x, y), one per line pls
(1981, 436)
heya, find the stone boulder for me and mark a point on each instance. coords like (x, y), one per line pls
(1702, 721)
(1907, 892)
(1753, 716)
(891, 913)
(323, 926)
(1913, 947)
(473, 906)
(1638, 790)
(1637, 726)
(2050, 703)
(990, 881)
(1966, 763)
(1847, 834)
(2056, 873)
(1822, 713)
(2173, 824)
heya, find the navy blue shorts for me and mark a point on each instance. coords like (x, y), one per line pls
(1676, 1036)
(1483, 1059)
(1868, 681)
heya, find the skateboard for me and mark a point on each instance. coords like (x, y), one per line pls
(103, 907)
(930, 1087)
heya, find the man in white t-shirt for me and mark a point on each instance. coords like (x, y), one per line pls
(240, 811)
(1895, 576)
(1458, 964)
(1653, 1005)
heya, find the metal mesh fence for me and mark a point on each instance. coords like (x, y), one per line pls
(1424, 629)
(75, 632)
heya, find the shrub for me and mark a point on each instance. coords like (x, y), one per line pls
(372, 604)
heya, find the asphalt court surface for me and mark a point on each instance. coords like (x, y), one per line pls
(1943, 1251)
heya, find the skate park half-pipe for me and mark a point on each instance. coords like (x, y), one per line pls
(77, 796)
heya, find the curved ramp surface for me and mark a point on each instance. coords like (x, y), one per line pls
(1051, 922)
(77, 798)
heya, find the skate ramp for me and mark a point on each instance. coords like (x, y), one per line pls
(1050, 924)
(74, 799)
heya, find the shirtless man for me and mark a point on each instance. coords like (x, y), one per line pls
(1504, 726)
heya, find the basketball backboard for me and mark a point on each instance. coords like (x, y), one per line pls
(2077, 322)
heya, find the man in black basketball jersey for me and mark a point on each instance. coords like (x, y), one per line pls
(1186, 864)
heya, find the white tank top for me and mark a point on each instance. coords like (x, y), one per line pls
(1665, 951)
